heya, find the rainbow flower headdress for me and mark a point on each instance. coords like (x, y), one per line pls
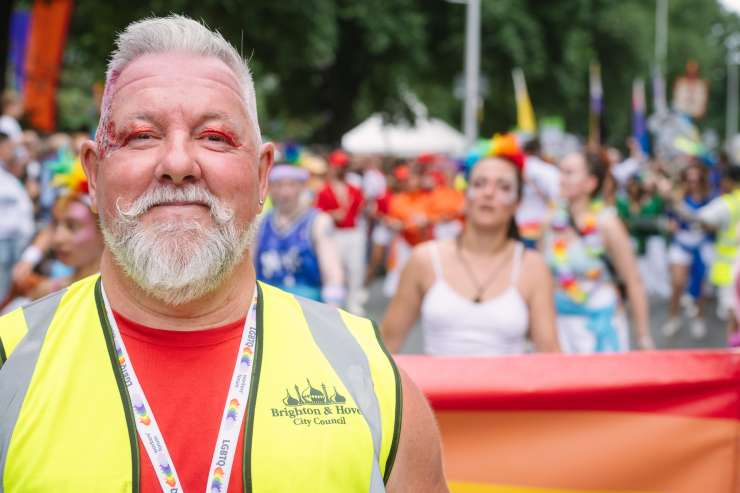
(71, 179)
(500, 145)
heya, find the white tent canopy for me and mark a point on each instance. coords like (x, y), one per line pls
(426, 135)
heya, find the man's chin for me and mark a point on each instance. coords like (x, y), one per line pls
(178, 262)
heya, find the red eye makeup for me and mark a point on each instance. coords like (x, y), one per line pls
(224, 135)
(136, 133)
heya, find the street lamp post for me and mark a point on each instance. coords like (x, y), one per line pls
(661, 50)
(472, 70)
(733, 60)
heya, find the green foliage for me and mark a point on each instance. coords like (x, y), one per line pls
(323, 66)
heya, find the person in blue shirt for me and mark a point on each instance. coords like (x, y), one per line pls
(295, 249)
(690, 253)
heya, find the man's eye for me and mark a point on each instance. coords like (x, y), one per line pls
(217, 137)
(139, 137)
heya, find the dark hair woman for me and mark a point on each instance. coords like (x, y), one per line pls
(589, 250)
(470, 291)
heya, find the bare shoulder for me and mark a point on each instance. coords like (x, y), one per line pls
(421, 254)
(534, 270)
(610, 222)
(445, 250)
(533, 262)
(420, 263)
(615, 232)
(609, 218)
(418, 464)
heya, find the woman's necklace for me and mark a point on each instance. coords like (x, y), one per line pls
(480, 288)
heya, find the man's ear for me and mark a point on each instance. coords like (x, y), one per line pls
(266, 159)
(90, 162)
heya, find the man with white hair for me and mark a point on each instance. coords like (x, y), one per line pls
(174, 369)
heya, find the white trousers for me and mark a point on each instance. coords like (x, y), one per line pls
(653, 268)
(351, 243)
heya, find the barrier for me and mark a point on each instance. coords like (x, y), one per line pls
(631, 422)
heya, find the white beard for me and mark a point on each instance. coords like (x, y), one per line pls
(177, 261)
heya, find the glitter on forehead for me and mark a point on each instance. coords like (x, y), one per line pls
(105, 137)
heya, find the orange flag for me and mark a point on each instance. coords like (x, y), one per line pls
(49, 24)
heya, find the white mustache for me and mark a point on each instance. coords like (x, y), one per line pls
(164, 195)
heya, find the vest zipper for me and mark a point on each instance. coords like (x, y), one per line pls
(252, 401)
(391, 459)
(127, 407)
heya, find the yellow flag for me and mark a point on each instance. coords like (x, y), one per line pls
(525, 120)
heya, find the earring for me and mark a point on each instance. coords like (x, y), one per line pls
(262, 201)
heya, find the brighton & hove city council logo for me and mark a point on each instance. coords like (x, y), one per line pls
(313, 406)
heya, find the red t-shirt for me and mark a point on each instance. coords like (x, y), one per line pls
(384, 203)
(185, 376)
(327, 201)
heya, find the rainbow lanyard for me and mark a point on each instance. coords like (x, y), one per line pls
(231, 421)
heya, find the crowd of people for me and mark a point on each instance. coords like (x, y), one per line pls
(506, 251)
(450, 238)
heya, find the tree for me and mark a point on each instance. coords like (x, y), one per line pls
(321, 67)
(316, 64)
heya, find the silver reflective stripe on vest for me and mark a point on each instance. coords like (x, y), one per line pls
(16, 373)
(349, 362)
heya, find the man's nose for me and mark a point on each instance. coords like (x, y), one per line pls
(178, 165)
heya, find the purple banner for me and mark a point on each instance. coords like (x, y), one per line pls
(20, 26)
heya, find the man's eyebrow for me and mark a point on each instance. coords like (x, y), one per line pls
(221, 116)
(145, 116)
(156, 119)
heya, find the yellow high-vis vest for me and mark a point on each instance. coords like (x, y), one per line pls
(66, 422)
(725, 246)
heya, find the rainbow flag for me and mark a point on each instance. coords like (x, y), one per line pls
(632, 422)
(525, 120)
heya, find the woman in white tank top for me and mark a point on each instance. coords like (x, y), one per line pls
(481, 293)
